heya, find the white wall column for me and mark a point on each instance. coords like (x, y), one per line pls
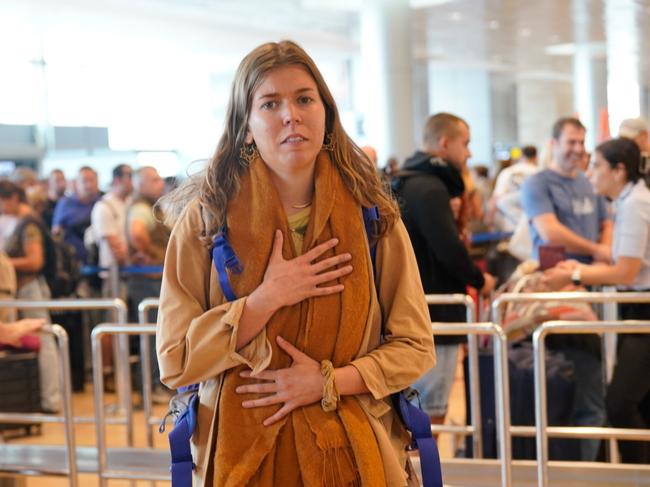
(386, 78)
(623, 90)
(539, 103)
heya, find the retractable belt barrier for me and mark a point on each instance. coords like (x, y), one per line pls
(474, 383)
(32, 459)
(122, 463)
(122, 370)
(145, 354)
(91, 270)
(432, 299)
(500, 303)
(502, 393)
(542, 430)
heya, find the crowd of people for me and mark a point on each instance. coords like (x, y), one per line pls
(584, 223)
(310, 328)
(52, 229)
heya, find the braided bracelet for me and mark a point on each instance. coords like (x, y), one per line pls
(330, 399)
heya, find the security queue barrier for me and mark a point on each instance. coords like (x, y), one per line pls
(611, 297)
(543, 431)
(501, 387)
(474, 384)
(21, 459)
(432, 299)
(145, 361)
(119, 311)
(569, 297)
(128, 463)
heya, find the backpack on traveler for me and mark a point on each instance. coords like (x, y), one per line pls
(61, 269)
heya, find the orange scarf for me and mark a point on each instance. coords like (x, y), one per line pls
(309, 446)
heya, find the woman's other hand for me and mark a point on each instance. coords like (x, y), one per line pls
(287, 282)
(299, 385)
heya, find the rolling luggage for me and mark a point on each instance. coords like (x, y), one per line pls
(20, 390)
(560, 395)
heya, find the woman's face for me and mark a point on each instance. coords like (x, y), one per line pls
(607, 181)
(287, 120)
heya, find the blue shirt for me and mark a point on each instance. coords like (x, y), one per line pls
(73, 216)
(573, 202)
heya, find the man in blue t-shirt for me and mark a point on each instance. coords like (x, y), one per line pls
(72, 213)
(562, 209)
(560, 203)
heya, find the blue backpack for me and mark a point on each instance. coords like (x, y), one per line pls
(184, 405)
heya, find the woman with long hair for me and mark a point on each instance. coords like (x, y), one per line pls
(615, 173)
(298, 347)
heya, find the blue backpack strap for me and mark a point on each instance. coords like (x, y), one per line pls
(415, 420)
(179, 444)
(418, 423)
(225, 259)
(371, 215)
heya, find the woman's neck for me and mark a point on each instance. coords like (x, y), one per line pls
(296, 189)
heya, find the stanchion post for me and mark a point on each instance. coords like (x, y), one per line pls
(473, 359)
(502, 395)
(566, 327)
(66, 393)
(123, 369)
(145, 357)
(100, 421)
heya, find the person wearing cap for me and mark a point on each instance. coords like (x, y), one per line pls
(637, 130)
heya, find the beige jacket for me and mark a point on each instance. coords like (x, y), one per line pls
(197, 332)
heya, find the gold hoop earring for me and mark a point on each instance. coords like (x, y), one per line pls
(329, 144)
(248, 153)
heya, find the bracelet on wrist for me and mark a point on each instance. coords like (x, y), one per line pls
(330, 399)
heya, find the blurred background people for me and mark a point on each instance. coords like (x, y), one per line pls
(28, 253)
(506, 197)
(72, 213)
(615, 174)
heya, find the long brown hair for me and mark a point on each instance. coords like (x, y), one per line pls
(220, 180)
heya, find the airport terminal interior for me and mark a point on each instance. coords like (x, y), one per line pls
(325, 243)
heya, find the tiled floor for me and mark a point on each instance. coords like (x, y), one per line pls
(85, 436)
(83, 406)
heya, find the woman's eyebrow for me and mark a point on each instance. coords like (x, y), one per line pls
(275, 94)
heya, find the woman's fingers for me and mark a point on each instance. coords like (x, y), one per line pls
(319, 250)
(325, 264)
(292, 351)
(326, 291)
(276, 251)
(263, 401)
(284, 410)
(262, 388)
(270, 375)
(332, 275)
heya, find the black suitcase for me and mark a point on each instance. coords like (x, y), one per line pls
(560, 395)
(20, 390)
